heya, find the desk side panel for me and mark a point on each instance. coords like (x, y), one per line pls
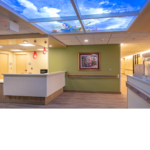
(55, 83)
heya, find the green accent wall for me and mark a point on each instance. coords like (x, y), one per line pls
(66, 59)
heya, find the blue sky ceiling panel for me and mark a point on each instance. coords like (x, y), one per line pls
(73, 26)
(32, 9)
(90, 7)
(108, 24)
(54, 9)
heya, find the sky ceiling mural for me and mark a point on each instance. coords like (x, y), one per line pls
(95, 15)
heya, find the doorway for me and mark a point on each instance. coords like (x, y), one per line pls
(123, 66)
(3, 64)
(21, 63)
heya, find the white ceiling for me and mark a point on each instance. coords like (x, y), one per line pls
(22, 29)
(104, 38)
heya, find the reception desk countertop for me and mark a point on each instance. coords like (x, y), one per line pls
(46, 74)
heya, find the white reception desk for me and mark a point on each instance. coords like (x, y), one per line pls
(27, 86)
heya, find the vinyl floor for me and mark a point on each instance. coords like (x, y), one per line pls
(82, 100)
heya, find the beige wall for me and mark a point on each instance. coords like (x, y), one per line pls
(40, 63)
(10, 64)
(127, 65)
(122, 65)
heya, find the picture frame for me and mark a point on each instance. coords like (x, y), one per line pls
(89, 61)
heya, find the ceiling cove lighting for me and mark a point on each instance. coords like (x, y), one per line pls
(16, 50)
(86, 40)
(26, 44)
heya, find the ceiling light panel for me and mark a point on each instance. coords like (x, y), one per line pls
(91, 7)
(26, 45)
(108, 24)
(73, 26)
(16, 50)
(33, 9)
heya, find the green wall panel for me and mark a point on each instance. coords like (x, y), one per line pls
(66, 59)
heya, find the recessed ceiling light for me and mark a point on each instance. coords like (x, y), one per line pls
(1, 46)
(16, 50)
(50, 45)
(26, 44)
(86, 40)
(25, 41)
(121, 44)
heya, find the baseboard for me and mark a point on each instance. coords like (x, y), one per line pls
(103, 92)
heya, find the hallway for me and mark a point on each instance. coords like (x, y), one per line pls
(82, 100)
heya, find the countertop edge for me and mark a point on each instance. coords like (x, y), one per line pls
(49, 74)
(139, 79)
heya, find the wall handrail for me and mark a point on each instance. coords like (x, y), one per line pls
(92, 76)
(145, 96)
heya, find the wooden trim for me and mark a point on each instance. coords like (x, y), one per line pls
(145, 96)
(94, 69)
(91, 76)
(53, 96)
(92, 92)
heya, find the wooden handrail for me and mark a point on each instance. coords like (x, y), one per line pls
(92, 76)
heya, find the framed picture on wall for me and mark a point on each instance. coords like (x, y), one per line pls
(89, 61)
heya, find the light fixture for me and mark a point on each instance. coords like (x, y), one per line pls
(44, 51)
(86, 40)
(41, 49)
(25, 41)
(50, 45)
(16, 50)
(1, 46)
(34, 55)
(26, 44)
(121, 44)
